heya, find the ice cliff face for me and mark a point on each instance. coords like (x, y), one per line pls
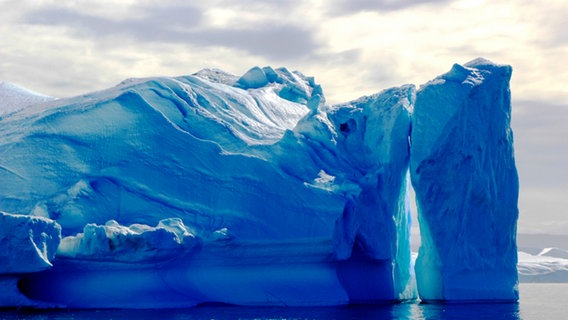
(463, 171)
(252, 190)
(28, 245)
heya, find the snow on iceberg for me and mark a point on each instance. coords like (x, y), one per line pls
(269, 195)
(463, 171)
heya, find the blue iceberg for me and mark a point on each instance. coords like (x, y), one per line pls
(173, 192)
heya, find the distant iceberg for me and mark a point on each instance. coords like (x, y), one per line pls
(252, 191)
(550, 265)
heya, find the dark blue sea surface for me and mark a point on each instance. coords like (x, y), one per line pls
(538, 301)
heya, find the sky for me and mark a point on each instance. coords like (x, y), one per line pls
(352, 47)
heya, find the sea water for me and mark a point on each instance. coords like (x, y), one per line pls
(538, 301)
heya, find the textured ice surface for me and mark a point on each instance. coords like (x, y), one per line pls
(28, 245)
(137, 242)
(463, 171)
(269, 195)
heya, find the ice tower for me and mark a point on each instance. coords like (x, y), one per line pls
(463, 170)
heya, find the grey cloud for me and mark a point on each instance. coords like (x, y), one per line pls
(273, 41)
(554, 26)
(182, 25)
(541, 147)
(352, 56)
(56, 75)
(347, 7)
(158, 24)
(380, 74)
(541, 152)
(270, 7)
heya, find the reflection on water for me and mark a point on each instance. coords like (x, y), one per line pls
(468, 311)
(538, 301)
(400, 311)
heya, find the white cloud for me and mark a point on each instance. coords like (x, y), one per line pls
(396, 42)
(542, 210)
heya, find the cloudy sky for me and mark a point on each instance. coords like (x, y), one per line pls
(352, 47)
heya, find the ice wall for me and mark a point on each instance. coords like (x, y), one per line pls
(463, 171)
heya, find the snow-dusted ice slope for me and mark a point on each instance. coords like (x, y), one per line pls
(14, 98)
(214, 188)
(463, 170)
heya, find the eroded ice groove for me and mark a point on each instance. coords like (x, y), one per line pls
(248, 165)
(463, 171)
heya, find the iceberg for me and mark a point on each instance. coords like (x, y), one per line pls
(253, 190)
(215, 188)
(548, 266)
(463, 171)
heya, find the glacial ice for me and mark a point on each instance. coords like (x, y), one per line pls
(28, 245)
(463, 171)
(137, 242)
(172, 192)
(32, 240)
